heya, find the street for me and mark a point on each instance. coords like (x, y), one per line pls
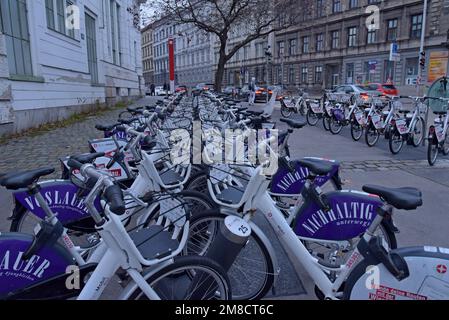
(361, 165)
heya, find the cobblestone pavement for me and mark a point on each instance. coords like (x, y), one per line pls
(386, 165)
(45, 149)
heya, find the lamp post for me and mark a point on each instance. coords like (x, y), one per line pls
(269, 57)
(421, 65)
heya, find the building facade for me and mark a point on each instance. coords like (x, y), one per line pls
(60, 57)
(193, 54)
(338, 43)
(147, 55)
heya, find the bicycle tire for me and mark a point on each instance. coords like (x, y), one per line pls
(175, 270)
(263, 258)
(354, 126)
(393, 135)
(312, 118)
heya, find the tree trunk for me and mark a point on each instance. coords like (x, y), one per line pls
(219, 75)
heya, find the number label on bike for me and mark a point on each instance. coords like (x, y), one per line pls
(360, 117)
(316, 108)
(377, 121)
(440, 133)
(402, 126)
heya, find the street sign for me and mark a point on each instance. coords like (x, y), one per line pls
(372, 66)
(394, 52)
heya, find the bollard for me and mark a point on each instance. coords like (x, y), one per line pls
(228, 242)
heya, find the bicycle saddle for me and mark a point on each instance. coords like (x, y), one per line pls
(127, 121)
(400, 198)
(241, 109)
(135, 109)
(88, 157)
(102, 127)
(318, 167)
(256, 113)
(23, 179)
(293, 123)
(442, 113)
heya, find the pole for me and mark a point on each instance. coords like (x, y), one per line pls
(171, 52)
(420, 68)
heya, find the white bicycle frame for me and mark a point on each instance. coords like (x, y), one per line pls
(255, 198)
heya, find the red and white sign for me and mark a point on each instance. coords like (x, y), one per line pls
(441, 268)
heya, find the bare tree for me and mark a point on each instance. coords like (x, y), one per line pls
(251, 19)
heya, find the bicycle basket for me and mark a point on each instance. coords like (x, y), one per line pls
(439, 89)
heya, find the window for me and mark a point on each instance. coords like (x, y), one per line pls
(291, 75)
(259, 50)
(50, 12)
(392, 29)
(56, 16)
(281, 47)
(318, 74)
(352, 36)
(416, 26)
(305, 44)
(319, 8)
(304, 74)
(319, 42)
(353, 4)
(335, 39)
(336, 6)
(350, 73)
(371, 36)
(292, 47)
(14, 25)
(116, 33)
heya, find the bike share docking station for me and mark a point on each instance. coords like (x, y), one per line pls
(229, 241)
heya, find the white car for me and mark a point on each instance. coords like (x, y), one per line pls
(159, 91)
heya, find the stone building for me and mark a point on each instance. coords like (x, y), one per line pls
(59, 57)
(332, 45)
(147, 55)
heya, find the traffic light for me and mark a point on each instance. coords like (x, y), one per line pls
(422, 59)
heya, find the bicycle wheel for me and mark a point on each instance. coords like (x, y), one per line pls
(335, 126)
(326, 124)
(356, 131)
(286, 112)
(371, 135)
(312, 118)
(188, 278)
(432, 152)
(332, 254)
(445, 147)
(418, 132)
(303, 108)
(252, 274)
(198, 182)
(396, 141)
(25, 221)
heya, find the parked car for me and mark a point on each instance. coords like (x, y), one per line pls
(362, 90)
(181, 89)
(159, 91)
(385, 88)
(232, 91)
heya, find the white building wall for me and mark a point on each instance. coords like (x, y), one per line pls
(61, 82)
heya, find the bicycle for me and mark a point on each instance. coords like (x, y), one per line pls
(399, 272)
(409, 128)
(156, 246)
(438, 137)
(379, 121)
